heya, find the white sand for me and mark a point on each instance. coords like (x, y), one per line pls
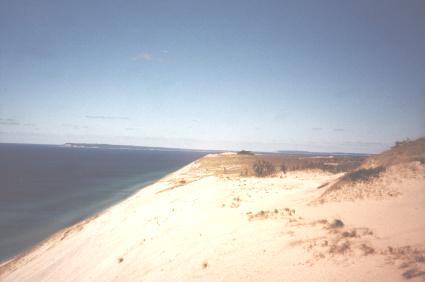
(215, 228)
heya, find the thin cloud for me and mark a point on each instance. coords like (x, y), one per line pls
(339, 129)
(148, 56)
(365, 144)
(145, 56)
(282, 116)
(317, 128)
(107, 117)
(9, 121)
(72, 126)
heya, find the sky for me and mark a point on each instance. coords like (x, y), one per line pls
(346, 76)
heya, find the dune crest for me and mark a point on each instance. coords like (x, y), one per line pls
(382, 176)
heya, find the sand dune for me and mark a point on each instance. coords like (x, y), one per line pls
(198, 224)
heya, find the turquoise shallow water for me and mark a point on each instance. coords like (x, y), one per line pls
(45, 188)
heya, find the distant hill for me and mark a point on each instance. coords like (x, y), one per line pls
(128, 147)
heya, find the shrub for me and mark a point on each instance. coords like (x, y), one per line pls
(337, 223)
(283, 168)
(364, 174)
(400, 143)
(263, 168)
(421, 161)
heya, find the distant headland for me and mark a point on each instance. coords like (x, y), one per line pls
(129, 147)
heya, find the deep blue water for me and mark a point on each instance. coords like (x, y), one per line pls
(44, 188)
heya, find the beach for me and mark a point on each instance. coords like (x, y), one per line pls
(198, 224)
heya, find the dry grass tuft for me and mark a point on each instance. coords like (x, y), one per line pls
(271, 214)
(342, 248)
(367, 250)
(337, 223)
(349, 234)
(413, 272)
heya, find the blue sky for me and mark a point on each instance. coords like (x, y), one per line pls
(260, 75)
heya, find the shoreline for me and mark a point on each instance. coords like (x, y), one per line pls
(137, 188)
(61, 233)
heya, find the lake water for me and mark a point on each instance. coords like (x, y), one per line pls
(44, 188)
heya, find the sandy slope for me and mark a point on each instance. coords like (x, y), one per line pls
(194, 225)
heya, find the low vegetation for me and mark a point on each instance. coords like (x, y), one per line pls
(283, 168)
(337, 223)
(402, 152)
(332, 164)
(364, 174)
(372, 169)
(401, 143)
(243, 164)
(263, 168)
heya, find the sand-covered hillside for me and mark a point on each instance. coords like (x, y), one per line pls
(213, 220)
(381, 176)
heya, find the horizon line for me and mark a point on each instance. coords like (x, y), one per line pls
(280, 151)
